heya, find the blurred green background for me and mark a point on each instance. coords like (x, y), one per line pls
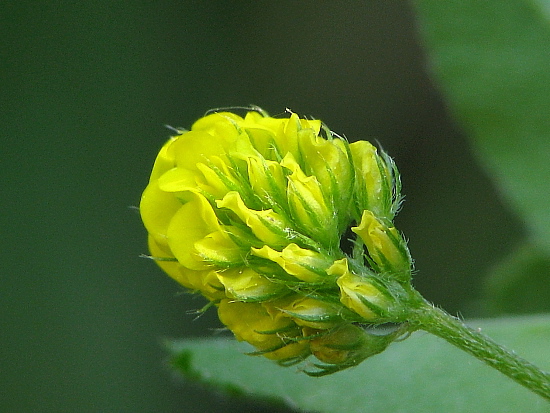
(86, 90)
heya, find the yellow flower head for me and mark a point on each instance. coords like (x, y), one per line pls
(250, 212)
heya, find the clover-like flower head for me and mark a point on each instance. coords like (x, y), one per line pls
(251, 212)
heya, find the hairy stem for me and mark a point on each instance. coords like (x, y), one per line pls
(438, 322)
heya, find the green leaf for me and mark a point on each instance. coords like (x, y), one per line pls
(491, 59)
(422, 374)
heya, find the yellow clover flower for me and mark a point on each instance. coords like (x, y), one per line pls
(377, 183)
(251, 213)
(275, 336)
(385, 245)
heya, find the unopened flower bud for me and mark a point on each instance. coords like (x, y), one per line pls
(309, 206)
(359, 294)
(267, 180)
(377, 184)
(345, 347)
(308, 311)
(275, 336)
(385, 245)
(304, 264)
(245, 284)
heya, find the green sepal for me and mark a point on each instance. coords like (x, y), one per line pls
(381, 313)
(268, 350)
(312, 318)
(151, 257)
(292, 361)
(260, 298)
(277, 199)
(203, 309)
(368, 346)
(353, 346)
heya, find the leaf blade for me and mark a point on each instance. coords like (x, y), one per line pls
(422, 374)
(491, 59)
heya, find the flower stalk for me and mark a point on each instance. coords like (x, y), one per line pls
(251, 212)
(434, 320)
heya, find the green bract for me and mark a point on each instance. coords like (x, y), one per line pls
(251, 213)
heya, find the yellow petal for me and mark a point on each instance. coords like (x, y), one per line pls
(178, 179)
(385, 245)
(328, 161)
(267, 225)
(165, 159)
(218, 249)
(257, 140)
(194, 147)
(246, 284)
(356, 292)
(307, 311)
(221, 123)
(196, 237)
(211, 181)
(275, 128)
(157, 209)
(288, 141)
(303, 264)
(253, 119)
(204, 281)
(267, 179)
(307, 202)
(373, 179)
(250, 322)
(201, 178)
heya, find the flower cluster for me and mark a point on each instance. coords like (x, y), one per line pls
(253, 212)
